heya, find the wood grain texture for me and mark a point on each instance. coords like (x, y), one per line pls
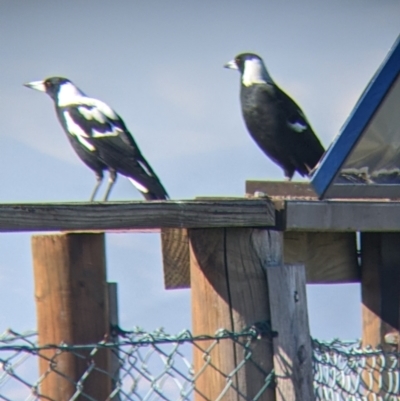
(141, 214)
(380, 288)
(339, 215)
(328, 257)
(71, 304)
(175, 253)
(284, 189)
(298, 215)
(292, 345)
(114, 362)
(380, 303)
(229, 290)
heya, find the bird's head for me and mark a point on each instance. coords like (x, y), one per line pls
(60, 89)
(251, 68)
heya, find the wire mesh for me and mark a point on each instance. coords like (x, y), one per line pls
(157, 366)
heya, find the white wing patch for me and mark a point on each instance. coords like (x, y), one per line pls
(92, 113)
(139, 186)
(297, 126)
(148, 172)
(103, 107)
(115, 132)
(75, 130)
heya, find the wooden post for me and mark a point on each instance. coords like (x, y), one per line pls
(229, 290)
(292, 345)
(380, 288)
(114, 322)
(71, 302)
(175, 251)
(380, 281)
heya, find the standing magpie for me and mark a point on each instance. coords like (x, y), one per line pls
(274, 120)
(100, 138)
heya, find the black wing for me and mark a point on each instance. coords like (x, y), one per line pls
(102, 131)
(305, 147)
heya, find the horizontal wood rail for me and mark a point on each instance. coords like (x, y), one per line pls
(282, 215)
(136, 215)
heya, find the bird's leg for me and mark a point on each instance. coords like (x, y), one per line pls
(99, 178)
(111, 182)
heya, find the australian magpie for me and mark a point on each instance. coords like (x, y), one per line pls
(274, 120)
(100, 138)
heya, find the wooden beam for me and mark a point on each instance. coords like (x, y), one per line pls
(229, 290)
(71, 304)
(292, 345)
(281, 189)
(339, 215)
(328, 257)
(380, 288)
(142, 214)
(298, 215)
(175, 252)
(380, 305)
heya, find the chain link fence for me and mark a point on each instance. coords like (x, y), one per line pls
(157, 366)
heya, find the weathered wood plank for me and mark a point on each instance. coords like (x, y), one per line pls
(339, 215)
(175, 253)
(284, 189)
(380, 304)
(380, 287)
(229, 290)
(128, 215)
(328, 257)
(114, 361)
(71, 304)
(292, 345)
(298, 215)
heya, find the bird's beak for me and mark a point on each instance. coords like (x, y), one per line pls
(38, 85)
(231, 65)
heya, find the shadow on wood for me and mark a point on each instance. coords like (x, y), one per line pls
(328, 257)
(380, 288)
(229, 290)
(292, 345)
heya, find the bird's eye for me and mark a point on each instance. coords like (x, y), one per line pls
(237, 61)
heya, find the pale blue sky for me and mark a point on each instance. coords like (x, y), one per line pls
(159, 65)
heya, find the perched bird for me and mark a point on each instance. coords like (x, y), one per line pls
(100, 138)
(274, 120)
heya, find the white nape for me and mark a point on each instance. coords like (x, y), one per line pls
(254, 72)
(68, 93)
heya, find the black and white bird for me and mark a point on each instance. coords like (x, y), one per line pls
(274, 120)
(100, 138)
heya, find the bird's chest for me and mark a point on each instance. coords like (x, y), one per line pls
(261, 112)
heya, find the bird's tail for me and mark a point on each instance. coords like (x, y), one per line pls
(158, 192)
